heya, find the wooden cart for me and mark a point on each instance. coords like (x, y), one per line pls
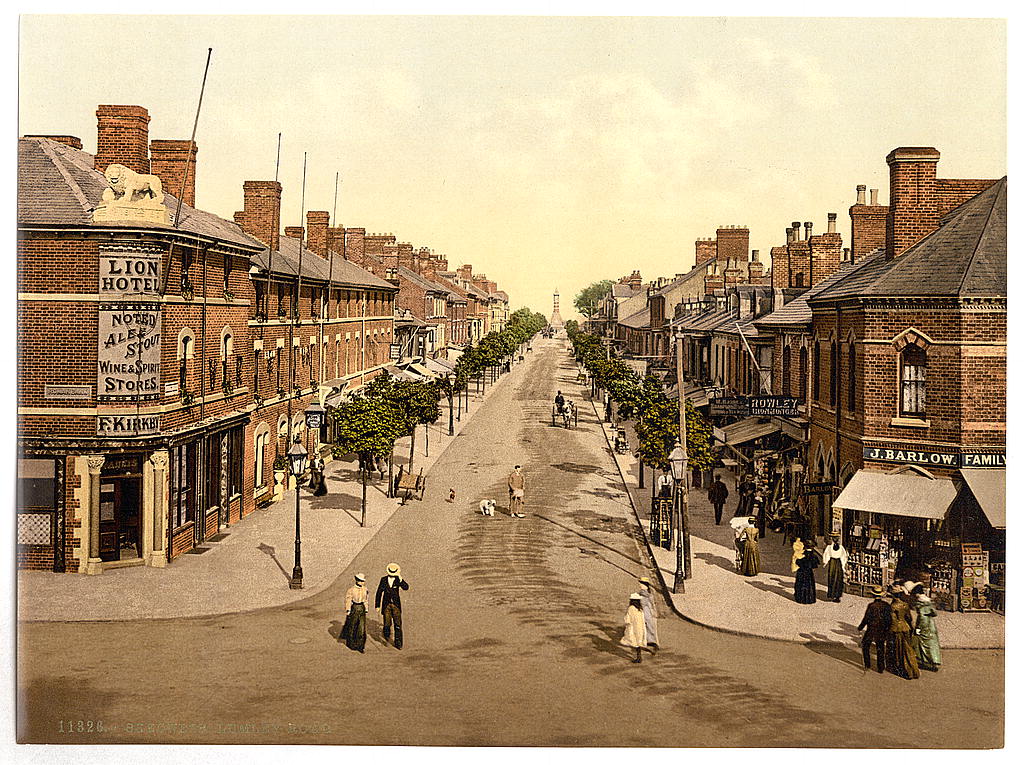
(410, 484)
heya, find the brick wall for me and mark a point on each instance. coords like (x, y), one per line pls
(122, 137)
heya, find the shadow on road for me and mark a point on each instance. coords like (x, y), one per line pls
(821, 645)
(716, 560)
(592, 540)
(265, 548)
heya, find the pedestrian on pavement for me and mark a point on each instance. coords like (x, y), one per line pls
(650, 610)
(805, 589)
(717, 494)
(388, 602)
(798, 553)
(751, 553)
(319, 478)
(354, 631)
(926, 634)
(635, 635)
(877, 620)
(516, 492)
(904, 658)
(487, 506)
(665, 484)
(739, 525)
(834, 560)
(746, 490)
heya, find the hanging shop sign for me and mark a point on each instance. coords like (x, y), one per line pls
(734, 406)
(774, 406)
(938, 459)
(128, 359)
(395, 352)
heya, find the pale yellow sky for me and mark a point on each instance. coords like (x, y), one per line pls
(547, 152)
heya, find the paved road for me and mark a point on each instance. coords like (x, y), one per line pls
(512, 636)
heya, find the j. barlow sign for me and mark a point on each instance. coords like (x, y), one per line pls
(965, 459)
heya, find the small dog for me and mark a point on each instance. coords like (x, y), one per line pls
(487, 506)
(451, 496)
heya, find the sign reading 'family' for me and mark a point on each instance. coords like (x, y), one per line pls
(940, 459)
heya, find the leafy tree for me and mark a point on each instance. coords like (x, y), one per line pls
(413, 403)
(368, 427)
(586, 299)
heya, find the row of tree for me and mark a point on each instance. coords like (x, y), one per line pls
(389, 408)
(644, 401)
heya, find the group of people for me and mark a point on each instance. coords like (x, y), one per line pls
(902, 629)
(641, 621)
(806, 558)
(387, 601)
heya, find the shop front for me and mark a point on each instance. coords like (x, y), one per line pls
(912, 526)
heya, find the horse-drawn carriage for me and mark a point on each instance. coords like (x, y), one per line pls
(568, 416)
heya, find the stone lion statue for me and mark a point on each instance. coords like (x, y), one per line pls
(126, 185)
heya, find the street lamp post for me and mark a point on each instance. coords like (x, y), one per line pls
(679, 459)
(297, 458)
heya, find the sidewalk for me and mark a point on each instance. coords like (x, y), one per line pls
(718, 597)
(251, 565)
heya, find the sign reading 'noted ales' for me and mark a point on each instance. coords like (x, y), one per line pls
(128, 358)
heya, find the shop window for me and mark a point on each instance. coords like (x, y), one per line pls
(183, 465)
(913, 372)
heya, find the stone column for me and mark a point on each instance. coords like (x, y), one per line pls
(158, 556)
(95, 462)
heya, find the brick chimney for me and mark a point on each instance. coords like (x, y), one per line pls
(465, 272)
(634, 281)
(293, 232)
(261, 215)
(122, 138)
(67, 140)
(867, 225)
(336, 240)
(733, 243)
(168, 160)
(755, 268)
(317, 223)
(427, 266)
(355, 245)
(705, 250)
(912, 210)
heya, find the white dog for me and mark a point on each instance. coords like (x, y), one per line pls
(487, 506)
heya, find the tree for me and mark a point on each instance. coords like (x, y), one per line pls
(413, 403)
(369, 428)
(586, 299)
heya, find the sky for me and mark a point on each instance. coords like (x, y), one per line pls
(547, 152)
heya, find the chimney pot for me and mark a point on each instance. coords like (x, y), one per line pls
(807, 229)
(831, 223)
(861, 189)
(796, 231)
(874, 197)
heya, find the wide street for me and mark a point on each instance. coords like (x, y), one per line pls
(512, 630)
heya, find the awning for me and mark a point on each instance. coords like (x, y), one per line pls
(749, 429)
(333, 391)
(439, 365)
(988, 485)
(695, 394)
(401, 374)
(904, 494)
(421, 370)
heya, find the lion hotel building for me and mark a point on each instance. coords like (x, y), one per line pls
(154, 389)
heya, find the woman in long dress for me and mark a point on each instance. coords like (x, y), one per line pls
(354, 631)
(834, 560)
(650, 610)
(635, 635)
(798, 553)
(751, 553)
(805, 588)
(904, 656)
(926, 634)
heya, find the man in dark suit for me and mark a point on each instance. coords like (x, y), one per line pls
(388, 602)
(877, 619)
(717, 494)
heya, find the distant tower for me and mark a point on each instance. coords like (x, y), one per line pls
(556, 317)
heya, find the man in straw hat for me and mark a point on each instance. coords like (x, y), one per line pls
(388, 602)
(635, 635)
(877, 619)
(354, 631)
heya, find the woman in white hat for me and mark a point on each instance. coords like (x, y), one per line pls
(354, 631)
(635, 636)
(650, 610)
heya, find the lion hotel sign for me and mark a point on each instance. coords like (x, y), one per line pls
(128, 358)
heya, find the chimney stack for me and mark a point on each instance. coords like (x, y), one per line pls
(261, 215)
(122, 138)
(168, 160)
(355, 245)
(317, 221)
(912, 212)
(293, 232)
(832, 223)
(861, 188)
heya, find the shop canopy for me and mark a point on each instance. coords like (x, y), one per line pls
(746, 430)
(695, 394)
(439, 365)
(988, 486)
(904, 494)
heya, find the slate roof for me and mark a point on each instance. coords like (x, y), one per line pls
(638, 320)
(964, 257)
(286, 262)
(707, 321)
(58, 186)
(621, 290)
(696, 271)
